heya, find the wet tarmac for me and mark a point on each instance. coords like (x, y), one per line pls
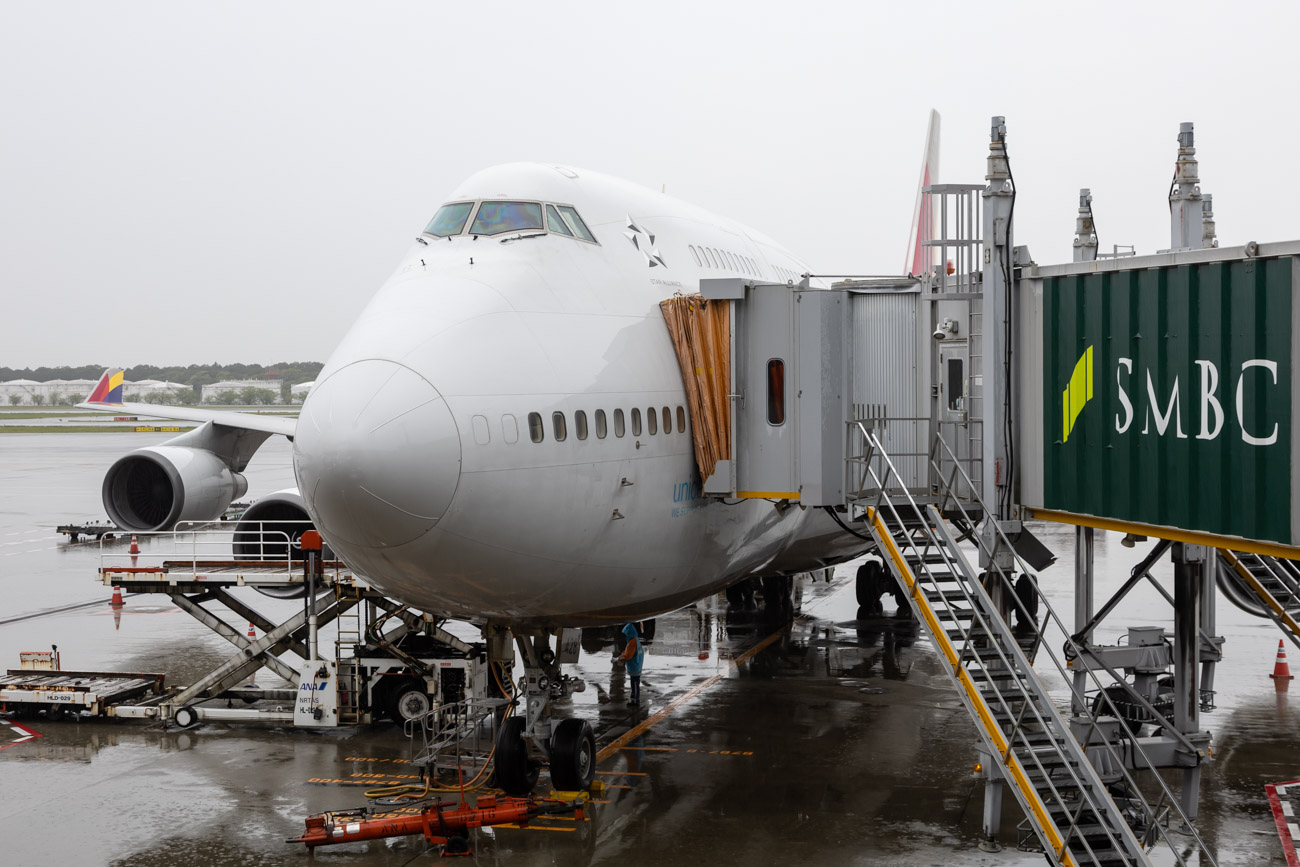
(826, 740)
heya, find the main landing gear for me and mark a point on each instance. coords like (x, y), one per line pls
(530, 738)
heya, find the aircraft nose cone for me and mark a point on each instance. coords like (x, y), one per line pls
(377, 455)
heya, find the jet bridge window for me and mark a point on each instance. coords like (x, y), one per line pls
(535, 429)
(449, 220)
(493, 218)
(776, 391)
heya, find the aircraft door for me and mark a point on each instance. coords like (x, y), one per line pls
(766, 459)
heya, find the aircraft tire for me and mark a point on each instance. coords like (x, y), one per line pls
(869, 586)
(516, 774)
(573, 755)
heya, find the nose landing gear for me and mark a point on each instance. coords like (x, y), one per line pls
(531, 739)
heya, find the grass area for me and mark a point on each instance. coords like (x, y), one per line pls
(24, 414)
(82, 428)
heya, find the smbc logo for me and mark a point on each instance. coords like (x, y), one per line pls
(1160, 413)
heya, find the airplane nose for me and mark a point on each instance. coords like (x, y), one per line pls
(377, 454)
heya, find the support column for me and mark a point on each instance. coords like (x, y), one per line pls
(1189, 565)
(999, 200)
(1084, 596)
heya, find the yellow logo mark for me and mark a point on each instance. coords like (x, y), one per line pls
(1077, 393)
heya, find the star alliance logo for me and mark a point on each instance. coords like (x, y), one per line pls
(645, 242)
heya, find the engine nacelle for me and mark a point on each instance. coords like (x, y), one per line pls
(272, 522)
(269, 526)
(157, 487)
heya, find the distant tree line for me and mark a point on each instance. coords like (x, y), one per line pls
(196, 376)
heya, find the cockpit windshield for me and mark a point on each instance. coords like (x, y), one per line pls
(449, 220)
(499, 217)
(496, 217)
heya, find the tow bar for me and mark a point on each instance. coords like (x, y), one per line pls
(443, 823)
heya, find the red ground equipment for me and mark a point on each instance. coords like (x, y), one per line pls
(440, 822)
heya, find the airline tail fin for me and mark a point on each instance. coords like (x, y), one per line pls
(109, 389)
(920, 259)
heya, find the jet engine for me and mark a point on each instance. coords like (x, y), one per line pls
(155, 488)
(271, 529)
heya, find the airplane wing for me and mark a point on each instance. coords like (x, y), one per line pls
(107, 397)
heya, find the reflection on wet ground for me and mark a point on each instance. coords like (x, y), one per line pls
(829, 738)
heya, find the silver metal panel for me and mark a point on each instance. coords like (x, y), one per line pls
(723, 287)
(1029, 432)
(889, 376)
(821, 369)
(766, 462)
(1158, 260)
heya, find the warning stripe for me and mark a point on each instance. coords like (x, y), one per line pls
(1287, 832)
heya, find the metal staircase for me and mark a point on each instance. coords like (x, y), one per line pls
(1265, 587)
(1048, 762)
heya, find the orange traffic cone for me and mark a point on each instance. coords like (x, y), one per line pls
(252, 636)
(135, 545)
(117, 598)
(1281, 671)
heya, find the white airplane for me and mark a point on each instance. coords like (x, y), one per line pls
(502, 436)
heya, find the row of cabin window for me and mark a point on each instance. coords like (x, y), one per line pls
(708, 257)
(560, 431)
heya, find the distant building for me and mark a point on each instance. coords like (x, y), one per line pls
(146, 387)
(213, 393)
(55, 392)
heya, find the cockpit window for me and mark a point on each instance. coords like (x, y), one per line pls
(497, 217)
(575, 222)
(555, 222)
(449, 220)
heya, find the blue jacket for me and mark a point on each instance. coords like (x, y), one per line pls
(634, 662)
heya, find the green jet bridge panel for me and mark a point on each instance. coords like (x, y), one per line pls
(1159, 392)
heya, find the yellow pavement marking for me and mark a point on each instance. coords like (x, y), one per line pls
(649, 722)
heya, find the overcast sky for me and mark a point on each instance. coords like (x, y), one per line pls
(189, 183)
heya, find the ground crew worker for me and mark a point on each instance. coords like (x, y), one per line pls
(633, 654)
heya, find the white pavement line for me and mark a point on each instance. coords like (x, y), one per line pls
(1288, 810)
(1295, 832)
(1281, 790)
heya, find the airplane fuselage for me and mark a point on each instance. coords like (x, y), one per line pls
(481, 443)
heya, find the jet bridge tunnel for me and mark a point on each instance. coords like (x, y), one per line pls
(1155, 396)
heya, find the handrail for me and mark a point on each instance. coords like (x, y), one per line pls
(1027, 792)
(1280, 615)
(197, 544)
(1153, 817)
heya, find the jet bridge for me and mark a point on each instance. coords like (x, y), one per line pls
(1150, 395)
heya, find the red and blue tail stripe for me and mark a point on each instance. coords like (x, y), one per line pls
(109, 389)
